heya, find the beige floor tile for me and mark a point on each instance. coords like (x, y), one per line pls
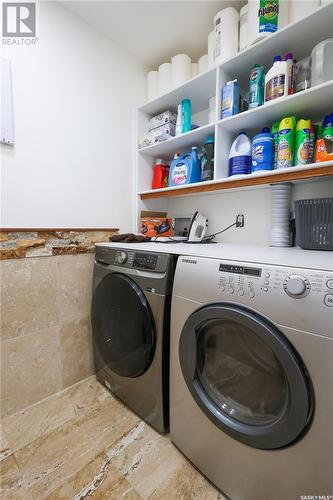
(30, 369)
(156, 469)
(50, 460)
(24, 427)
(11, 480)
(97, 480)
(5, 450)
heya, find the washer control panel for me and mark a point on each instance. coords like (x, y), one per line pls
(249, 281)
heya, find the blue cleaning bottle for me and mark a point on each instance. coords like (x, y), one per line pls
(186, 169)
(262, 151)
(186, 112)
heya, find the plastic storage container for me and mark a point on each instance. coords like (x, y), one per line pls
(322, 62)
(314, 223)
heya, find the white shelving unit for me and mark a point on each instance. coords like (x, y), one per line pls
(298, 38)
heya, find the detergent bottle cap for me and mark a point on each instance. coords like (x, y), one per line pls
(266, 130)
(276, 59)
(328, 120)
(210, 140)
(289, 56)
(242, 132)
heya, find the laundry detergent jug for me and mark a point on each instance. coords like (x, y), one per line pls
(185, 169)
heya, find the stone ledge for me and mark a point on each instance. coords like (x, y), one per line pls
(19, 244)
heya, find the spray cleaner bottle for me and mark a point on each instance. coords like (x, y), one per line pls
(275, 135)
(256, 87)
(302, 142)
(286, 140)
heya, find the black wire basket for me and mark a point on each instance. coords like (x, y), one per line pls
(314, 223)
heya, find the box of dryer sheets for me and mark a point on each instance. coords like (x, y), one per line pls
(162, 132)
(162, 119)
(155, 224)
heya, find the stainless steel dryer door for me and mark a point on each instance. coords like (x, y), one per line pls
(245, 376)
(123, 325)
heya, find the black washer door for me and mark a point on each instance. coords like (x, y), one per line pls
(123, 325)
(245, 375)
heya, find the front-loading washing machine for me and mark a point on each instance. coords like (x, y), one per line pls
(251, 395)
(130, 326)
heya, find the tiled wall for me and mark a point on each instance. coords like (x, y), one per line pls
(45, 317)
(45, 327)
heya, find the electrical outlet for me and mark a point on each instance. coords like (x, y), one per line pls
(240, 220)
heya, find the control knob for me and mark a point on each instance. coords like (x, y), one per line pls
(296, 286)
(121, 258)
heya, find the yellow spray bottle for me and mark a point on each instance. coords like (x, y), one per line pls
(286, 142)
(302, 142)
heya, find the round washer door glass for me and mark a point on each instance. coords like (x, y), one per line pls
(240, 373)
(245, 376)
(123, 326)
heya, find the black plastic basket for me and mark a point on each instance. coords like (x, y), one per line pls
(314, 223)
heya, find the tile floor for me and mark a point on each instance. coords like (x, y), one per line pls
(83, 443)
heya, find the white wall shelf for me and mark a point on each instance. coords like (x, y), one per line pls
(314, 103)
(180, 143)
(294, 174)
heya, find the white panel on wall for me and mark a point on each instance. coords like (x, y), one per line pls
(7, 125)
(75, 95)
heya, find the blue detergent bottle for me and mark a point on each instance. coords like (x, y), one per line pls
(186, 169)
(262, 151)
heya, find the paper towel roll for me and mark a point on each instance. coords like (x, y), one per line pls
(301, 8)
(195, 69)
(211, 49)
(203, 63)
(181, 69)
(243, 27)
(226, 34)
(152, 85)
(164, 78)
(253, 34)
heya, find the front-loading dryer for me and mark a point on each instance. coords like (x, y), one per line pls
(251, 400)
(130, 326)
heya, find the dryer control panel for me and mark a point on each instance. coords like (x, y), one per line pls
(130, 259)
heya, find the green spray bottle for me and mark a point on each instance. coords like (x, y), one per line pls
(302, 142)
(256, 86)
(275, 135)
(286, 142)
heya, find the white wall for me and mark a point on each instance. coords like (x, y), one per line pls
(221, 210)
(74, 100)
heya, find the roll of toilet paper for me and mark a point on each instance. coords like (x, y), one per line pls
(181, 69)
(211, 49)
(226, 34)
(164, 78)
(280, 215)
(243, 27)
(301, 8)
(152, 85)
(195, 69)
(203, 63)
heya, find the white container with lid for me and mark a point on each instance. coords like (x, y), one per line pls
(243, 13)
(322, 62)
(226, 34)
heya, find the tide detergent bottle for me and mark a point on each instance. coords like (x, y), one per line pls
(186, 169)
